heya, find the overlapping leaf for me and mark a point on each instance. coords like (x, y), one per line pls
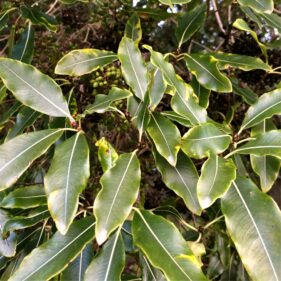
(261, 6)
(133, 28)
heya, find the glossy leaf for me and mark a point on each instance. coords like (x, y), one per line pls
(206, 71)
(53, 256)
(109, 263)
(177, 118)
(75, 271)
(271, 20)
(182, 179)
(165, 136)
(103, 102)
(267, 105)
(66, 179)
(17, 154)
(243, 62)
(83, 61)
(268, 143)
(114, 202)
(157, 237)
(267, 167)
(216, 177)
(189, 23)
(202, 93)
(143, 116)
(183, 101)
(133, 28)
(261, 6)
(171, 2)
(33, 88)
(25, 198)
(133, 67)
(106, 154)
(253, 221)
(21, 222)
(203, 140)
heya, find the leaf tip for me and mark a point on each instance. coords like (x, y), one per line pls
(101, 236)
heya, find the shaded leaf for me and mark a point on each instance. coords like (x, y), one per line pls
(133, 28)
(66, 178)
(177, 118)
(120, 185)
(202, 93)
(261, 6)
(255, 232)
(80, 62)
(17, 154)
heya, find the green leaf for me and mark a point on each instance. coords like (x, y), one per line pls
(157, 237)
(143, 116)
(242, 25)
(17, 154)
(25, 198)
(202, 93)
(171, 2)
(25, 118)
(189, 23)
(182, 179)
(83, 61)
(243, 62)
(36, 16)
(133, 67)
(267, 105)
(261, 6)
(216, 177)
(203, 140)
(103, 102)
(54, 255)
(10, 112)
(106, 154)
(4, 17)
(253, 221)
(205, 68)
(154, 13)
(267, 167)
(133, 28)
(109, 263)
(66, 179)
(177, 118)
(165, 136)
(33, 88)
(75, 271)
(246, 93)
(21, 222)
(268, 143)
(24, 47)
(271, 20)
(114, 202)
(183, 102)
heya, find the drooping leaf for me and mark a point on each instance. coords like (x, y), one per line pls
(216, 177)
(253, 221)
(202, 93)
(17, 154)
(21, 222)
(133, 28)
(267, 105)
(75, 271)
(103, 102)
(189, 23)
(157, 237)
(182, 179)
(267, 167)
(243, 62)
(133, 67)
(106, 154)
(80, 62)
(268, 143)
(261, 6)
(36, 16)
(203, 140)
(143, 116)
(183, 102)
(53, 256)
(120, 186)
(66, 179)
(177, 118)
(25, 198)
(23, 49)
(25, 118)
(109, 263)
(33, 88)
(207, 73)
(165, 136)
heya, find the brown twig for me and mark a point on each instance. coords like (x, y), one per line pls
(218, 18)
